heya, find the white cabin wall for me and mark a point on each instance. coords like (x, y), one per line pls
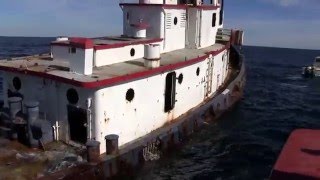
(175, 34)
(208, 33)
(115, 55)
(60, 53)
(200, 33)
(192, 31)
(80, 62)
(113, 114)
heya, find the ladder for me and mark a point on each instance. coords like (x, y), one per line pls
(209, 76)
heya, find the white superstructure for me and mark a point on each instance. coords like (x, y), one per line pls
(165, 63)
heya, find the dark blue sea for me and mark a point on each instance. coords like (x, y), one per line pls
(245, 143)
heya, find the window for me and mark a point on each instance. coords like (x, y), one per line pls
(175, 21)
(132, 52)
(214, 19)
(198, 71)
(16, 83)
(130, 95)
(72, 96)
(72, 50)
(180, 79)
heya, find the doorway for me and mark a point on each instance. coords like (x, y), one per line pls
(77, 119)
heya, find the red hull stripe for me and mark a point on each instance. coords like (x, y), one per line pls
(119, 79)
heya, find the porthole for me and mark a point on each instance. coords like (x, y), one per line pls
(16, 83)
(175, 21)
(72, 96)
(130, 95)
(180, 78)
(198, 71)
(132, 52)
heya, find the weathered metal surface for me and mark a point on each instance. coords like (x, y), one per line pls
(133, 155)
(112, 144)
(93, 151)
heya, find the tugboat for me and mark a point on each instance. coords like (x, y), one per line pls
(125, 98)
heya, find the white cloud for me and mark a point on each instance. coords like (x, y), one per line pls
(284, 2)
(300, 3)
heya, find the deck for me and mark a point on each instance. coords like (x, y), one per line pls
(44, 66)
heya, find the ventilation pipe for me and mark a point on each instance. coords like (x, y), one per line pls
(152, 55)
(34, 128)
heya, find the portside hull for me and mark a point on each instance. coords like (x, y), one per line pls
(133, 155)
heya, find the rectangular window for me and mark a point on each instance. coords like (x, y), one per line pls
(72, 50)
(214, 19)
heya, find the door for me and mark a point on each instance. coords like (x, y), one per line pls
(170, 92)
(77, 118)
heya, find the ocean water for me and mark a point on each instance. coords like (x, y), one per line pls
(245, 143)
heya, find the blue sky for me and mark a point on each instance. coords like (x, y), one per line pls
(279, 23)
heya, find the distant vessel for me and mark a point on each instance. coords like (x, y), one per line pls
(312, 71)
(127, 97)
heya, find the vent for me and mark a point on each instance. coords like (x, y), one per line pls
(183, 20)
(168, 21)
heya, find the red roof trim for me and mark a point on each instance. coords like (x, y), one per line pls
(83, 43)
(119, 79)
(118, 45)
(166, 6)
(78, 42)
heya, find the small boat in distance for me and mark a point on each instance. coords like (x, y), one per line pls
(312, 71)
